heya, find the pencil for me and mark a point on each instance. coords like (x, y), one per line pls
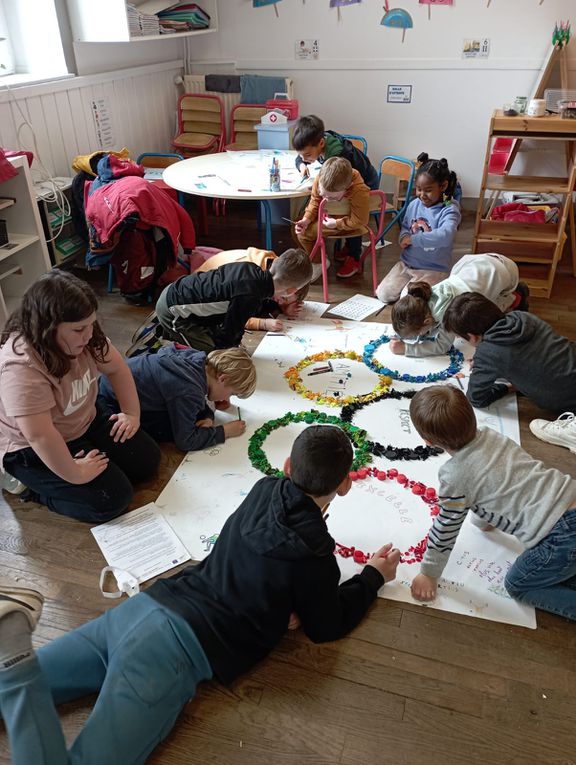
(238, 408)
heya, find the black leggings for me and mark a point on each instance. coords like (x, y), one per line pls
(109, 494)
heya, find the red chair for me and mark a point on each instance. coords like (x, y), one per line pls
(201, 128)
(243, 119)
(377, 206)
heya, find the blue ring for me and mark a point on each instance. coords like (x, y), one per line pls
(456, 362)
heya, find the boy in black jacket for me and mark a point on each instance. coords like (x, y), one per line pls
(273, 564)
(517, 347)
(209, 310)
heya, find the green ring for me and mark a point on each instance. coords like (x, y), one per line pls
(357, 436)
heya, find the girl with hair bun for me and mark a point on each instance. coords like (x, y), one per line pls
(417, 317)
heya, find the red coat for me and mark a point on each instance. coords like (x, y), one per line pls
(112, 203)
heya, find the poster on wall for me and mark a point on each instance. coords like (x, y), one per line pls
(399, 94)
(103, 123)
(306, 50)
(476, 48)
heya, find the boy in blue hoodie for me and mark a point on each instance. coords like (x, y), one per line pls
(427, 232)
(176, 387)
(273, 565)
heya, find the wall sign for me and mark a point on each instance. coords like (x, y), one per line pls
(306, 49)
(399, 94)
(477, 48)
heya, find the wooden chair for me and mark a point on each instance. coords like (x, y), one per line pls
(243, 119)
(378, 205)
(358, 141)
(201, 128)
(400, 169)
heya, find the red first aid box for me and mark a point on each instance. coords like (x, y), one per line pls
(282, 103)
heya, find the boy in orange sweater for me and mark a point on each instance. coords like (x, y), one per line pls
(338, 182)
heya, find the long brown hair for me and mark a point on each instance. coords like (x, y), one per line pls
(55, 297)
(410, 313)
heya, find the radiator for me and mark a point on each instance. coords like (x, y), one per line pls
(195, 83)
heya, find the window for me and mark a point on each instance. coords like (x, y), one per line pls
(32, 48)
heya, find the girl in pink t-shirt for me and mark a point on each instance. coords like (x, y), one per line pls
(53, 440)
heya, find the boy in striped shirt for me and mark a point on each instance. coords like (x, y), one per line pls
(504, 488)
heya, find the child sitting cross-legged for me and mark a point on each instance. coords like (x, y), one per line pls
(178, 387)
(510, 491)
(337, 182)
(272, 566)
(427, 232)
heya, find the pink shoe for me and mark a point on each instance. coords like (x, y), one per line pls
(350, 268)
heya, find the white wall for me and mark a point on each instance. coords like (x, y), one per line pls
(452, 98)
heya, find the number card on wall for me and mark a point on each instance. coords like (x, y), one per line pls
(399, 94)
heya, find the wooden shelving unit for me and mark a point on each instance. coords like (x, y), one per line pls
(25, 257)
(537, 248)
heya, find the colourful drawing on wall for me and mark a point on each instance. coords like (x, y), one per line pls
(435, 2)
(398, 18)
(262, 3)
(339, 3)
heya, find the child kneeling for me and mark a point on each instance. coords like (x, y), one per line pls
(176, 387)
(511, 492)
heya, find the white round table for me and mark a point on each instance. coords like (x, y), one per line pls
(239, 175)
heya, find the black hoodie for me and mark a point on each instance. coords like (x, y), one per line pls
(274, 556)
(524, 350)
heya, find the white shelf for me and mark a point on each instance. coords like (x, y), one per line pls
(107, 20)
(25, 258)
(17, 243)
(5, 203)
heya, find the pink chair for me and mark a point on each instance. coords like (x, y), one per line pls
(201, 128)
(377, 206)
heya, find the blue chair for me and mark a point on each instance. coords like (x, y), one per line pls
(400, 169)
(358, 141)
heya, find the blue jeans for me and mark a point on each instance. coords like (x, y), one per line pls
(544, 575)
(143, 660)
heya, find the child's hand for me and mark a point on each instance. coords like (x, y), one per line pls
(397, 347)
(205, 423)
(304, 171)
(89, 465)
(386, 560)
(293, 309)
(294, 621)
(424, 587)
(222, 405)
(273, 325)
(234, 428)
(406, 242)
(301, 225)
(329, 222)
(125, 426)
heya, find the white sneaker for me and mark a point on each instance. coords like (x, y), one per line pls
(12, 485)
(561, 432)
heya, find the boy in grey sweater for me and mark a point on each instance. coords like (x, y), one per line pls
(518, 347)
(510, 491)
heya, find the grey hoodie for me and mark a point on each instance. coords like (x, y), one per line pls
(524, 350)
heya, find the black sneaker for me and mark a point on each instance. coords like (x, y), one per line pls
(149, 341)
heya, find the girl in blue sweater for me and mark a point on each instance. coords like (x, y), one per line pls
(428, 230)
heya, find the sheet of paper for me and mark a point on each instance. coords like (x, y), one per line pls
(312, 309)
(141, 543)
(357, 308)
(373, 512)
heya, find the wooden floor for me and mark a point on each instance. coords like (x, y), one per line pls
(410, 685)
